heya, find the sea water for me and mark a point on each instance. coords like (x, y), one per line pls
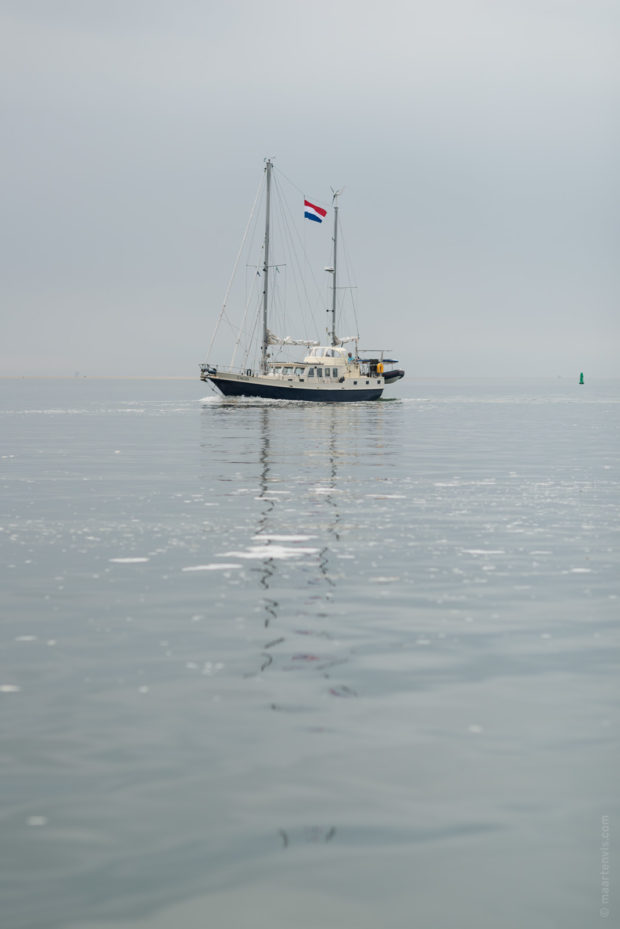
(295, 665)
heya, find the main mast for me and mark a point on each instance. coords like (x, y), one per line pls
(265, 342)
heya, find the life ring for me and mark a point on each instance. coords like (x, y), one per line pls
(380, 368)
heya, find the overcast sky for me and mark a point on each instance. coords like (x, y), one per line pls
(478, 140)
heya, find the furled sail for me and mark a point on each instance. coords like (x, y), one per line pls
(273, 339)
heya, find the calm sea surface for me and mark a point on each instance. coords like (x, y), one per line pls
(326, 667)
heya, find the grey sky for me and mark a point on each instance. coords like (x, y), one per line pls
(478, 140)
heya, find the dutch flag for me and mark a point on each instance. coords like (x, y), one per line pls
(315, 213)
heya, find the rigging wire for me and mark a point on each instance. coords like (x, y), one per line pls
(252, 339)
(301, 278)
(351, 287)
(295, 244)
(251, 293)
(242, 330)
(299, 191)
(234, 271)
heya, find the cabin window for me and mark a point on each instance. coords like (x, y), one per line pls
(328, 372)
(335, 372)
(319, 372)
(299, 371)
(310, 372)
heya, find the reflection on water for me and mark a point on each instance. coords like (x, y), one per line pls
(305, 664)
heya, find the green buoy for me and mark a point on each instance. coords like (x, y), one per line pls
(581, 378)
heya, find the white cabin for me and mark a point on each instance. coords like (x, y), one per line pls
(328, 354)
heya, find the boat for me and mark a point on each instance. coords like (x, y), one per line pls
(328, 373)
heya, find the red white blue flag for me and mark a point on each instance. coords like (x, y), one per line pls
(315, 213)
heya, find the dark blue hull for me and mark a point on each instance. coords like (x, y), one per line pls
(277, 392)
